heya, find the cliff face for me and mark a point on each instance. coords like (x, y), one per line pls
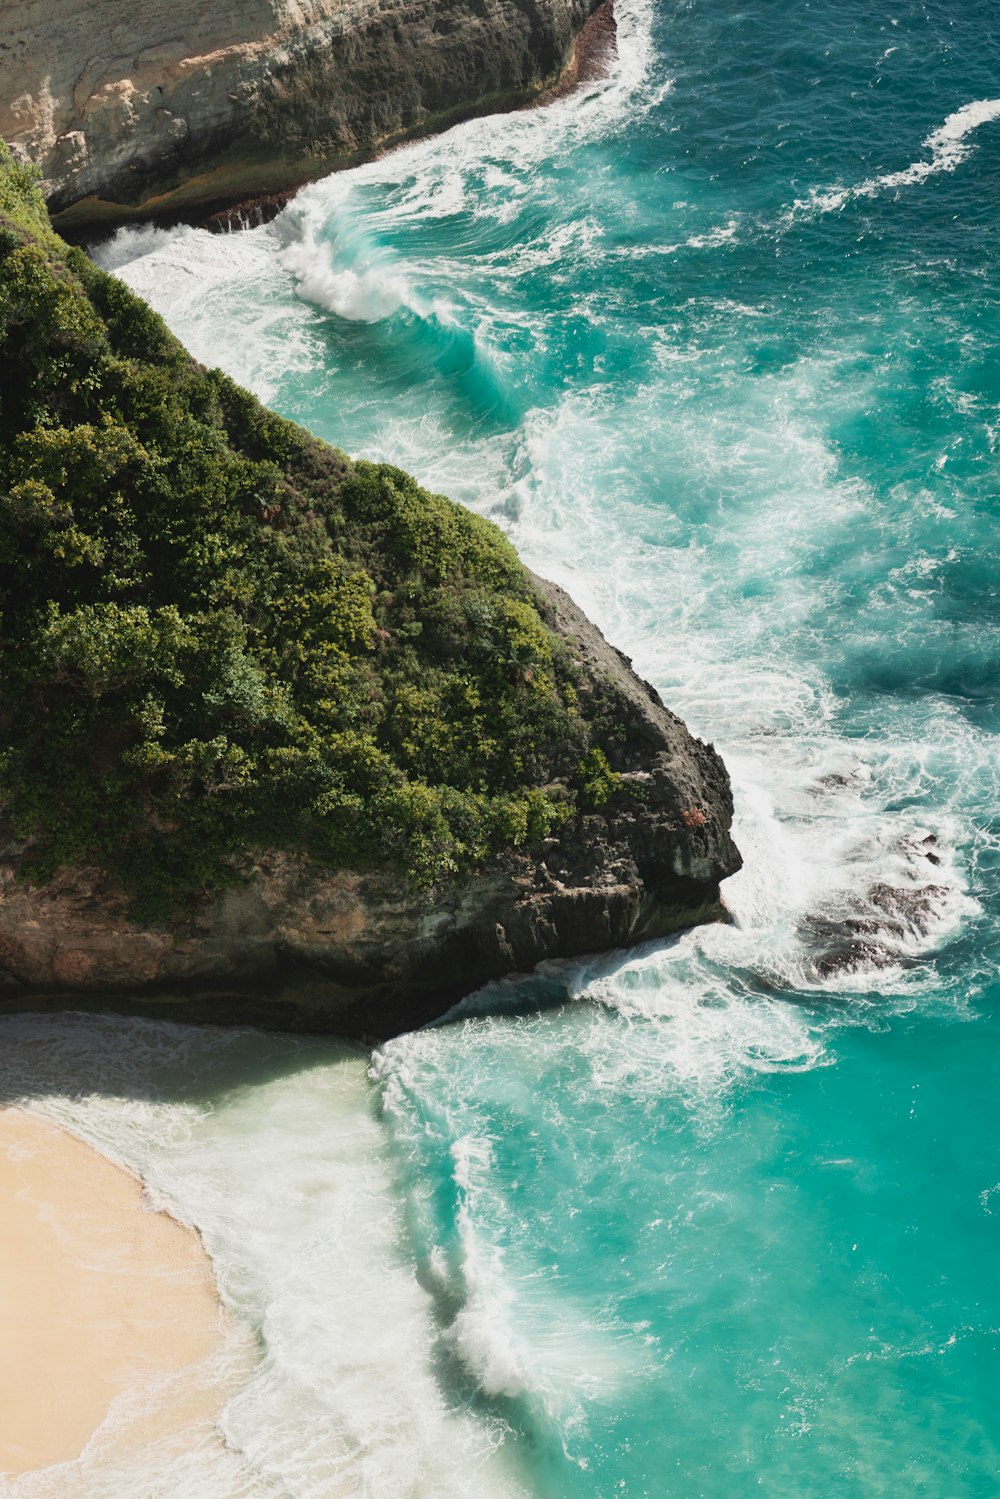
(157, 109)
(303, 947)
(284, 738)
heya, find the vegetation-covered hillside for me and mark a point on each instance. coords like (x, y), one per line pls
(218, 634)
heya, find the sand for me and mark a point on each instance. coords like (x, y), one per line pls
(99, 1297)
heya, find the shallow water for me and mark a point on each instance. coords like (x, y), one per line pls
(716, 341)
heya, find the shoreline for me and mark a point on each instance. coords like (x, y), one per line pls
(595, 49)
(103, 1300)
(593, 52)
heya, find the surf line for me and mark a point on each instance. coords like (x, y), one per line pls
(949, 147)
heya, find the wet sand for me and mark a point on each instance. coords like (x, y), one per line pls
(99, 1298)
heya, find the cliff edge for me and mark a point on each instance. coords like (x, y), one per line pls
(297, 945)
(152, 110)
(284, 738)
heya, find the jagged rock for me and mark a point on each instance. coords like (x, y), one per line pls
(890, 913)
(155, 111)
(916, 905)
(302, 947)
(855, 957)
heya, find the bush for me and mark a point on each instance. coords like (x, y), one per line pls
(217, 633)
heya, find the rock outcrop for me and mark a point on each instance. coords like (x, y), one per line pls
(286, 739)
(301, 947)
(156, 111)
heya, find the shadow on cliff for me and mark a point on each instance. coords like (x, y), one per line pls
(48, 1053)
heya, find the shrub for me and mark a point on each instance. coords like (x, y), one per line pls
(217, 633)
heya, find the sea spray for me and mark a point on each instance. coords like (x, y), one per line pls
(269, 1146)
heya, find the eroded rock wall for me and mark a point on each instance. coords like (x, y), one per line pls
(156, 109)
(301, 947)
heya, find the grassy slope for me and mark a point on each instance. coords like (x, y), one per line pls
(217, 633)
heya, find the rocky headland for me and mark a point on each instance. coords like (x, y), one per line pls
(286, 739)
(296, 945)
(156, 111)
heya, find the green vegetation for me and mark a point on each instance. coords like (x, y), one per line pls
(218, 634)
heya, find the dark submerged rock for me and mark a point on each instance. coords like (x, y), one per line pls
(873, 935)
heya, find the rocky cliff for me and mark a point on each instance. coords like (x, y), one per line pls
(284, 738)
(153, 110)
(300, 946)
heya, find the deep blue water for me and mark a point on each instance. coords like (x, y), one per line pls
(716, 340)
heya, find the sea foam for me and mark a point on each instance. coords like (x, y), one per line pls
(270, 1147)
(949, 145)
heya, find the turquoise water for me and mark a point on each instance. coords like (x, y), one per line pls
(716, 340)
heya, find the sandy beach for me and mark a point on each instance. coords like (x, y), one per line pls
(99, 1297)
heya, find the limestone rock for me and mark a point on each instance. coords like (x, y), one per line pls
(156, 110)
(301, 947)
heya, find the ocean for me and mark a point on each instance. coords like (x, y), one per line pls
(715, 339)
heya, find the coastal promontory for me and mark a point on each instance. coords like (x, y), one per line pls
(285, 738)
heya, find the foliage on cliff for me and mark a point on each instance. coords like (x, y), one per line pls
(217, 633)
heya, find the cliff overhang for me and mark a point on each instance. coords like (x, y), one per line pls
(134, 115)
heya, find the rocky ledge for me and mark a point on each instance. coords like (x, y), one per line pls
(298, 946)
(286, 739)
(162, 111)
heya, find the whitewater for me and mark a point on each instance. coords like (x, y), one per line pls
(715, 339)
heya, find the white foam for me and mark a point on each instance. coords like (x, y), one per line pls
(130, 244)
(702, 1036)
(519, 1333)
(226, 296)
(481, 1332)
(287, 1176)
(360, 295)
(487, 164)
(720, 234)
(321, 247)
(949, 146)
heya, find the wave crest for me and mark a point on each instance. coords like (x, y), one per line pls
(949, 146)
